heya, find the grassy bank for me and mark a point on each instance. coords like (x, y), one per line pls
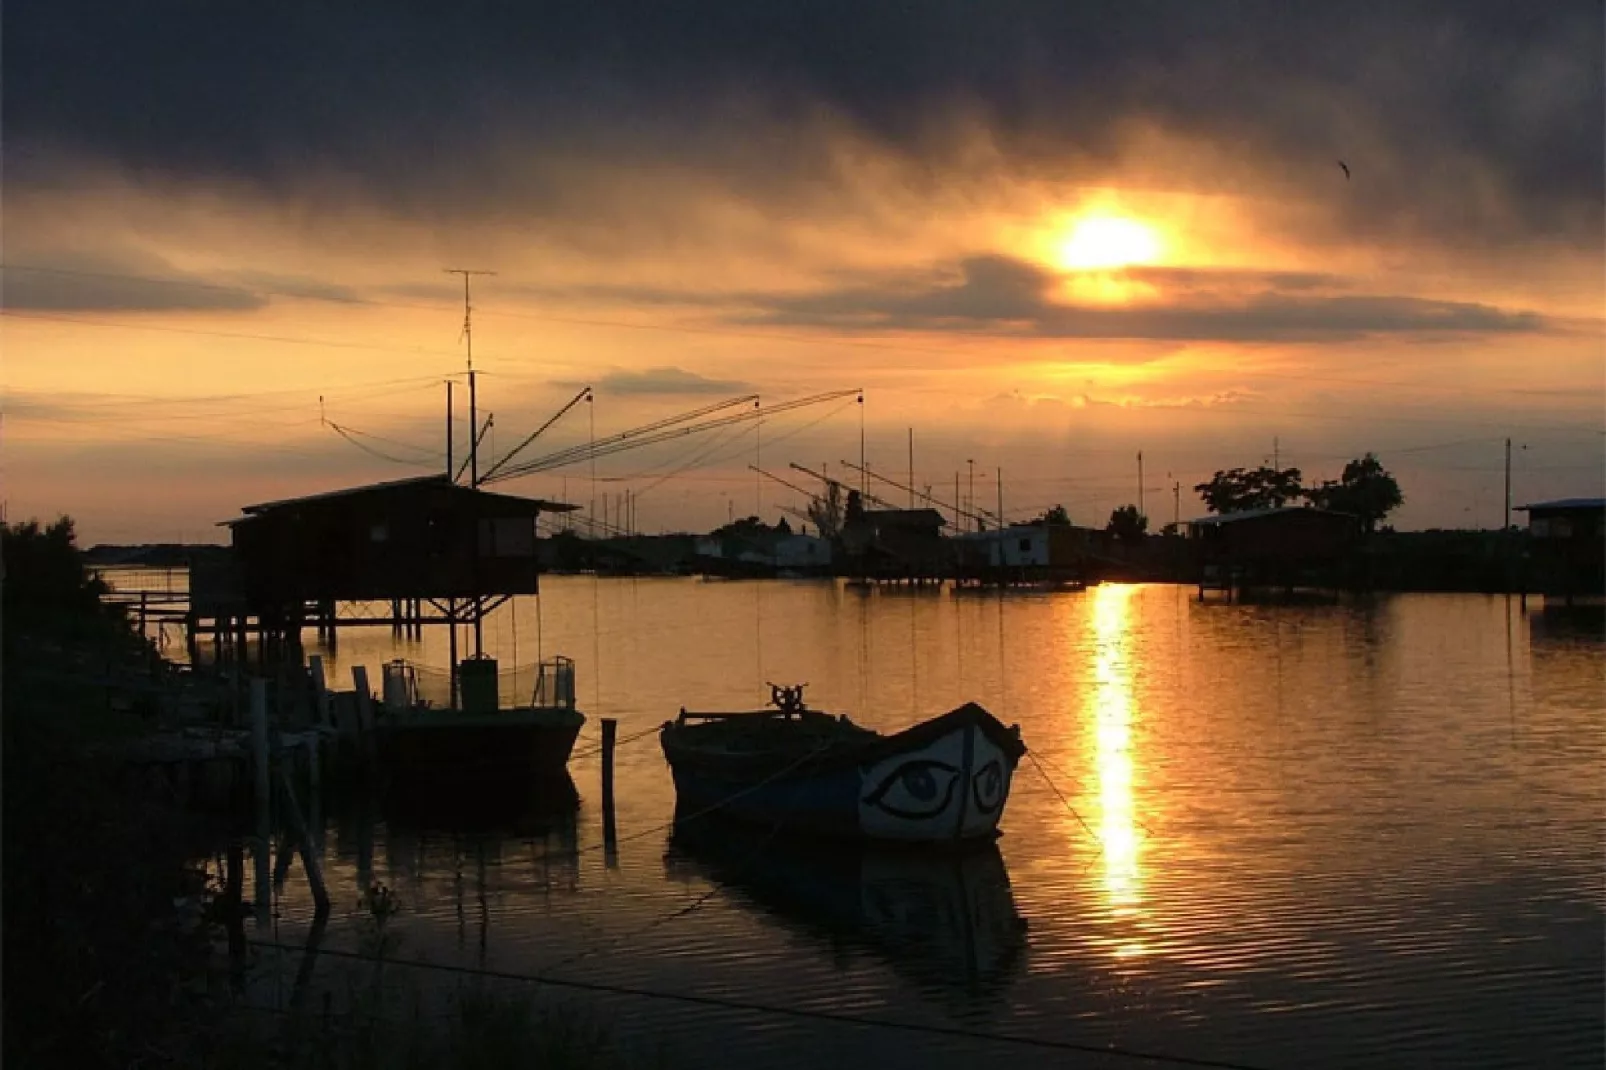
(115, 951)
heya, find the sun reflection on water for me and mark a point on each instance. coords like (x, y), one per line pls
(1110, 712)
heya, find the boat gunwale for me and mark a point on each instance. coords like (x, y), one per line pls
(873, 746)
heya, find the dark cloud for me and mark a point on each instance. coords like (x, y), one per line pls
(666, 382)
(83, 289)
(1466, 120)
(1003, 296)
(139, 282)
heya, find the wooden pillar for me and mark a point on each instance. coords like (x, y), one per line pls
(320, 692)
(365, 716)
(263, 797)
(610, 831)
(309, 855)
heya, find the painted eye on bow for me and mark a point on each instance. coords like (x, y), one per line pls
(987, 786)
(918, 789)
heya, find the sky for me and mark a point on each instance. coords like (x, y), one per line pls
(1042, 238)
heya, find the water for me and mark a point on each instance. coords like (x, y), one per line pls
(1324, 836)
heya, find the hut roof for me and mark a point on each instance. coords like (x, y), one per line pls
(911, 518)
(1565, 504)
(532, 505)
(1256, 514)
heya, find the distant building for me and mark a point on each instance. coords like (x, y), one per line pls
(763, 553)
(1284, 547)
(1023, 553)
(897, 543)
(1568, 548)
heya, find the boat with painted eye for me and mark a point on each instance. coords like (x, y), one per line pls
(800, 771)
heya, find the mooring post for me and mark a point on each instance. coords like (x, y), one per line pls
(259, 743)
(320, 690)
(365, 714)
(264, 796)
(309, 854)
(610, 833)
(315, 785)
(234, 886)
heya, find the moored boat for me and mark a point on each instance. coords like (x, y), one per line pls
(943, 781)
(483, 743)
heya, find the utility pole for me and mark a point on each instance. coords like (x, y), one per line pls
(864, 486)
(972, 463)
(451, 473)
(1140, 483)
(1505, 527)
(473, 455)
(1276, 454)
(1176, 506)
(957, 500)
(1000, 498)
(473, 393)
(912, 468)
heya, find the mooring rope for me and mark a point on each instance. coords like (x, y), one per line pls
(1055, 789)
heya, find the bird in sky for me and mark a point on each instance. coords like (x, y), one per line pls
(1345, 166)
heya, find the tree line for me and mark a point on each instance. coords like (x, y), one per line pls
(1365, 490)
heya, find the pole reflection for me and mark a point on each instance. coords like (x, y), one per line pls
(1110, 709)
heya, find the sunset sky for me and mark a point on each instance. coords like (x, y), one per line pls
(1045, 236)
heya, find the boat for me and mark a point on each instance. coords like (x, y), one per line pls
(479, 742)
(807, 772)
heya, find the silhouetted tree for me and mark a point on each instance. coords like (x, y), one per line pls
(826, 512)
(782, 527)
(854, 513)
(1365, 490)
(44, 569)
(1055, 517)
(1237, 489)
(1127, 524)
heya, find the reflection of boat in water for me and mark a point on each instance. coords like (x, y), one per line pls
(948, 920)
(529, 808)
(943, 781)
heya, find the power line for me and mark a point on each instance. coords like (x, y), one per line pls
(240, 335)
(805, 1013)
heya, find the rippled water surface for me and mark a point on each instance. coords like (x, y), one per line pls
(1275, 836)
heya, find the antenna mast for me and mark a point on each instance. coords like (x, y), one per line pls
(473, 395)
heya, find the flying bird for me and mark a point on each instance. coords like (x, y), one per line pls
(1345, 166)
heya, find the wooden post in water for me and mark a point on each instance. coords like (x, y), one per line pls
(320, 690)
(610, 832)
(264, 795)
(309, 855)
(365, 715)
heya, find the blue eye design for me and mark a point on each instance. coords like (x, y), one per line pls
(918, 789)
(987, 787)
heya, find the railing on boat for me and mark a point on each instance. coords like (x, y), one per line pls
(408, 686)
(554, 684)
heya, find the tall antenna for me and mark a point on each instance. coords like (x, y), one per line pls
(864, 485)
(911, 468)
(1140, 483)
(473, 398)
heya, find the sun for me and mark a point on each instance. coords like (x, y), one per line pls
(1102, 243)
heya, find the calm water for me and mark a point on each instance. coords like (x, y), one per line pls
(1326, 836)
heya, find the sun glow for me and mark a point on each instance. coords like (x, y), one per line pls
(1101, 243)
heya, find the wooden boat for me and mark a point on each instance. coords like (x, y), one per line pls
(941, 782)
(483, 742)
